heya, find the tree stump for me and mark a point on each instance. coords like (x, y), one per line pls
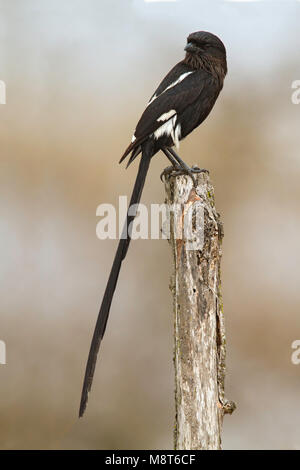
(199, 331)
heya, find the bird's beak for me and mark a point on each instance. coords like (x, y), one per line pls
(190, 47)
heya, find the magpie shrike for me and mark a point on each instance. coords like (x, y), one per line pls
(181, 102)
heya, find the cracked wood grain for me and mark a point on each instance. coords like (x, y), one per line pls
(199, 331)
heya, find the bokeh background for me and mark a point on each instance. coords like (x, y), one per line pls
(78, 75)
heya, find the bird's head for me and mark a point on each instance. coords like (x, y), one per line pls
(206, 45)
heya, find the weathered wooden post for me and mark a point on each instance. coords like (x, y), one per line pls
(199, 331)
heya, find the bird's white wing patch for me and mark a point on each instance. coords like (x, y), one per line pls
(179, 79)
(152, 99)
(133, 138)
(182, 77)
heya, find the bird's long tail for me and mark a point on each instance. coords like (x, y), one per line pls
(147, 153)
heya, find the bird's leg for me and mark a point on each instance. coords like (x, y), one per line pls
(170, 169)
(193, 169)
(171, 158)
(179, 166)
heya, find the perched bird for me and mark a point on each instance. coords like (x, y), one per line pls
(181, 102)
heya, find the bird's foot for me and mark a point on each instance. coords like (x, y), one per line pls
(196, 169)
(178, 170)
(170, 171)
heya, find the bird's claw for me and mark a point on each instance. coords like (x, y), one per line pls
(178, 170)
(196, 169)
(170, 170)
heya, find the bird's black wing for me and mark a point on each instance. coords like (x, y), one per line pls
(171, 77)
(177, 98)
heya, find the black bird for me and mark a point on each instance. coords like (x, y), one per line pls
(181, 102)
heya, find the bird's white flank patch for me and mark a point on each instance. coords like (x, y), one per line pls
(133, 139)
(169, 128)
(166, 128)
(166, 116)
(176, 135)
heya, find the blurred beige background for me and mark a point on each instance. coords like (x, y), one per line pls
(78, 74)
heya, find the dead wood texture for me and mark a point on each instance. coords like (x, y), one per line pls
(199, 331)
